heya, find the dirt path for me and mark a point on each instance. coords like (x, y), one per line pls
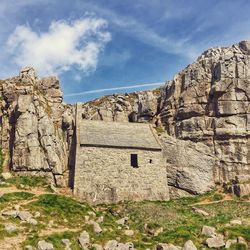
(208, 202)
(13, 243)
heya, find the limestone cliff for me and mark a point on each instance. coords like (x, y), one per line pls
(132, 107)
(209, 102)
(32, 136)
(202, 117)
(207, 105)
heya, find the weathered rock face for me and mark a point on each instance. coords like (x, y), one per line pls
(190, 166)
(32, 138)
(207, 105)
(209, 102)
(134, 107)
(203, 115)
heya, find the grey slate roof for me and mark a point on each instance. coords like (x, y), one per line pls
(116, 134)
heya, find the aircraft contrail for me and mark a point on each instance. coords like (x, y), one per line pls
(117, 88)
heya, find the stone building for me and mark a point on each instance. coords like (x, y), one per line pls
(118, 161)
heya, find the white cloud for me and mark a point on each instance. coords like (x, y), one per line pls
(63, 46)
(145, 34)
(116, 88)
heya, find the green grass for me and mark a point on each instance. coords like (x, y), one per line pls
(16, 196)
(28, 181)
(217, 197)
(32, 240)
(177, 218)
(159, 130)
(13, 198)
(4, 233)
(60, 207)
(55, 239)
(238, 247)
(180, 223)
(238, 230)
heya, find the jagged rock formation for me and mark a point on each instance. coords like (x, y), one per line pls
(202, 117)
(32, 138)
(133, 107)
(209, 102)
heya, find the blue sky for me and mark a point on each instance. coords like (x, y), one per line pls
(97, 45)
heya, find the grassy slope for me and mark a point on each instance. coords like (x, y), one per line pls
(178, 220)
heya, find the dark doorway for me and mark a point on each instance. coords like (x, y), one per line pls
(134, 160)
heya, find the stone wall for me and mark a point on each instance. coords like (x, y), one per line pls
(105, 175)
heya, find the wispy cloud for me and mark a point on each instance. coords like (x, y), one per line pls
(115, 89)
(64, 45)
(145, 34)
(12, 6)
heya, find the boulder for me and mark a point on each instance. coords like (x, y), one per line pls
(97, 247)
(44, 245)
(28, 72)
(241, 240)
(236, 222)
(126, 246)
(32, 221)
(189, 245)
(28, 247)
(84, 240)
(96, 226)
(208, 231)
(11, 213)
(200, 211)
(25, 215)
(245, 47)
(215, 242)
(229, 243)
(66, 243)
(100, 219)
(37, 214)
(122, 221)
(6, 175)
(163, 246)
(129, 232)
(114, 245)
(10, 228)
(111, 245)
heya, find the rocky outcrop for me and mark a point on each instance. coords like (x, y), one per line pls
(190, 166)
(208, 102)
(134, 107)
(206, 108)
(202, 117)
(32, 136)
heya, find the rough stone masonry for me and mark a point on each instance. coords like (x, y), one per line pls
(118, 161)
